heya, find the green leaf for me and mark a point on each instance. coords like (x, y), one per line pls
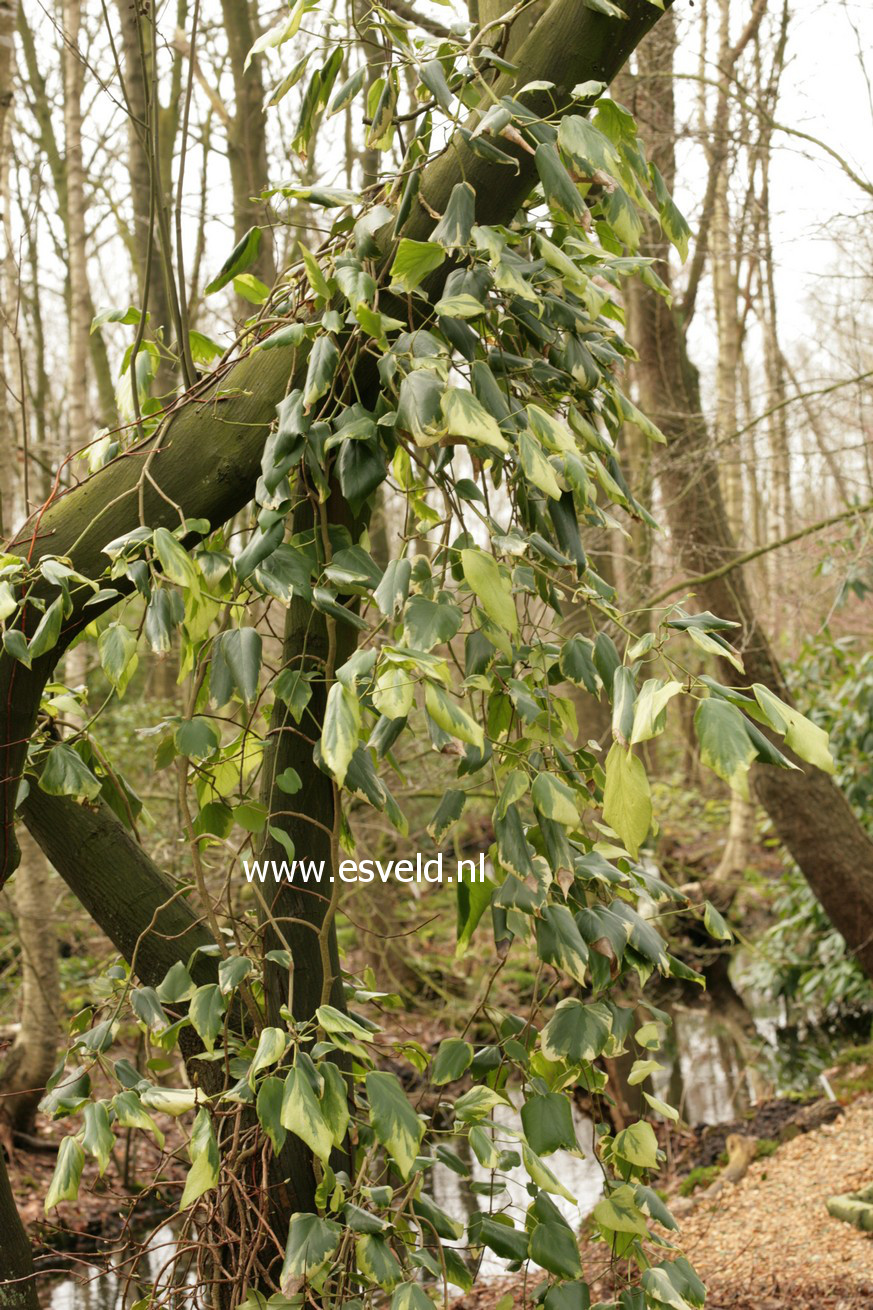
(462, 305)
(504, 1239)
(334, 1101)
(419, 407)
(627, 802)
(394, 1121)
(649, 710)
(64, 1185)
(427, 624)
(48, 630)
(203, 1150)
(311, 1243)
(451, 1061)
(541, 1174)
(251, 288)
(453, 230)
(394, 692)
(66, 774)
(637, 1145)
(577, 1032)
(129, 1113)
(641, 1070)
(410, 1296)
(97, 1138)
(673, 223)
(804, 737)
(577, 664)
(269, 1110)
(494, 590)
(715, 924)
(568, 1296)
(548, 1123)
(559, 188)
(560, 943)
(449, 810)
(554, 799)
(231, 973)
(623, 697)
(660, 1287)
(465, 417)
(197, 738)
(618, 1212)
(536, 467)
(235, 665)
(449, 716)
(301, 1114)
(377, 1261)
(206, 1012)
(270, 1048)
(347, 92)
(243, 255)
(413, 261)
(294, 688)
(339, 738)
(586, 145)
(725, 746)
(314, 274)
(553, 1247)
(176, 562)
(514, 787)
(321, 370)
(661, 1107)
(177, 985)
(128, 316)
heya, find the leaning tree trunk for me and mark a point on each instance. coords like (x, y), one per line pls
(810, 814)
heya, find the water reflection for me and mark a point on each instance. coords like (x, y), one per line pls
(99, 1289)
(462, 1197)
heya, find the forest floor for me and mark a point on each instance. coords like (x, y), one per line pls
(767, 1243)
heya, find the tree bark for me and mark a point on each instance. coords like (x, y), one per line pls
(138, 907)
(80, 323)
(147, 182)
(246, 135)
(808, 811)
(18, 1290)
(31, 1059)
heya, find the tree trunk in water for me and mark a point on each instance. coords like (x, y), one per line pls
(810, 814)
(30, 1061)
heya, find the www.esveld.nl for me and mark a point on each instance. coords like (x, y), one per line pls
(367, 870)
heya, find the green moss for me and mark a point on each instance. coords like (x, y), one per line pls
(766, 1147)
(854, 1071)
(700, 1177)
